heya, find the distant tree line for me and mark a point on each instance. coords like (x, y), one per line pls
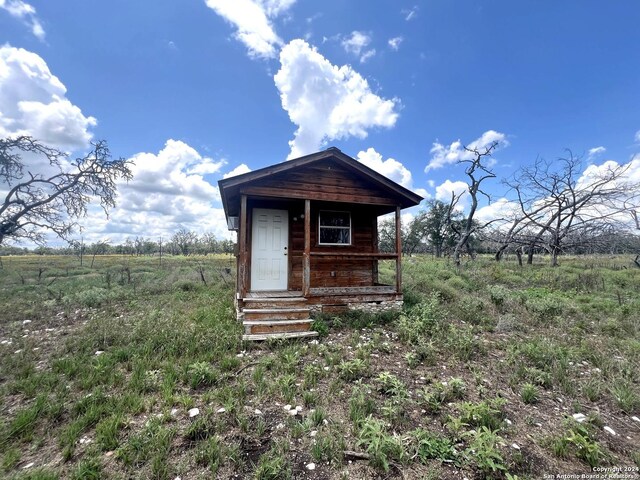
(182, 242)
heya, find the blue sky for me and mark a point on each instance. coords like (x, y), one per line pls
(194, 90)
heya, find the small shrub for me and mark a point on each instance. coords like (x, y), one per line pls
(355, 369)
(391, 385)
(382, 447)
(321, 327)
(427, 445)
(529, 393)
(579, 441)
(483, 452)
(361, 405)
(626, 396)
(202, 374)
(329, 446)
(318, 417)
(487, 413)
(186, 286)
(499, 296)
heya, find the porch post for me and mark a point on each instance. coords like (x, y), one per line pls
(306, 256)
(242, 272)
(398, 252)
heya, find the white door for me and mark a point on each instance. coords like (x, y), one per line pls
(270, 238)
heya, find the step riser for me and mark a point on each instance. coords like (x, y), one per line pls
(280, 315)
(263, 336)
(274, 304)
(272, 329)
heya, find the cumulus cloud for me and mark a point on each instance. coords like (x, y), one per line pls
(442, 155)
(26, 13)
(390, 168)
(33, 102)
(395, 42)
(252, 19)
(501, 208)
(327, 102)
(594, 152)
(357, 44)
(445, 190)
(239, 170)
(168, 191)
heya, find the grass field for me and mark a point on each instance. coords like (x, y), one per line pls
(492, 371)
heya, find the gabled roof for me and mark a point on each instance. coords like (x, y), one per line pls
(230, 187)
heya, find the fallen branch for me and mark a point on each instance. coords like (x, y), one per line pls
(250, 364)
(351, 455)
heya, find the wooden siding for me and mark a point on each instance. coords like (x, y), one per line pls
(331, 265)
(326, 181)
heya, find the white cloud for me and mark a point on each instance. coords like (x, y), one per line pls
(445, 190)
(357, 44)
(252, 18)
(442, 155)
(25, 12)
(501, 208)
(595, 151)
(32, 102)
(367, 55)
(636, 137)
(167, 192)
(326, 102)
(395, 42)
(390, 168)
(410, 13)
(239, 170)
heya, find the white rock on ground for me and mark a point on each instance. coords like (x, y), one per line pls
(28, 465)
(579, 417)
(99, 352)
(257, 412)
(221, 410)
(194, 412)
(610, 430)
(298, 408)
(293, 412)
(516, 446)
(25, 322)
(311, 466)
(635, 419)
(287, 407)
(174, 412)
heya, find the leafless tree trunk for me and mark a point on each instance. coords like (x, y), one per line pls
(477, 172)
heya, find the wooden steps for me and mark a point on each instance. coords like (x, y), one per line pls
(275, 317)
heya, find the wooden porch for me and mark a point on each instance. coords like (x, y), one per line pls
(287, 313)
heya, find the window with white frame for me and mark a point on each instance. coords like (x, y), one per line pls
(334, 228)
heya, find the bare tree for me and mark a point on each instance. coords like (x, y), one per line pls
(184, 240)
(36, 202)
(560, 203)
(477, 172)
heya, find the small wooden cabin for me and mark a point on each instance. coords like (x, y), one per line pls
(308, 241)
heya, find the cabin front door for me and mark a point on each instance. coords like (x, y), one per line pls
(270, 239)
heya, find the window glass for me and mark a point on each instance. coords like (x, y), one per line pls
(335, 228)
